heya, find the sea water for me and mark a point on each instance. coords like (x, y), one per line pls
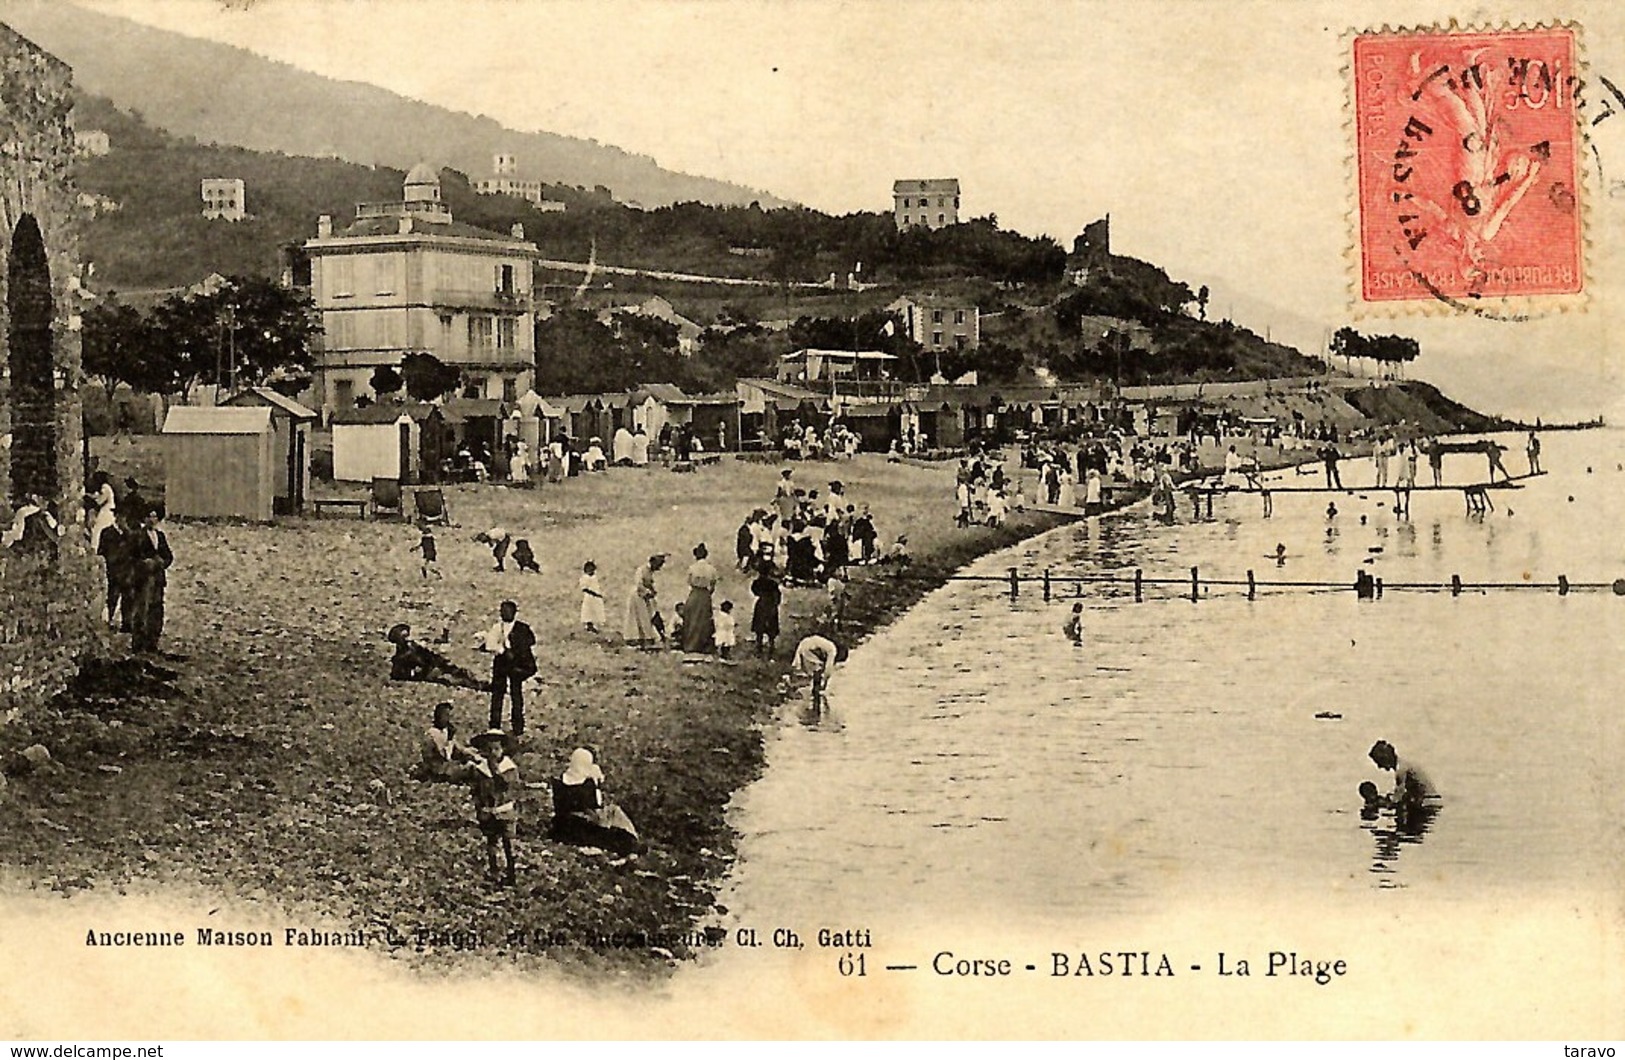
(975, 767)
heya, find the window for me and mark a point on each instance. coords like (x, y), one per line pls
(941, 201)
(942, 219)
(960, 342)
(479, 334)
(343, 282)
(510, 390)
(959, 316)
(505, 331)
(505, 279)
(384, 274)
(936, 338)
(936, 316)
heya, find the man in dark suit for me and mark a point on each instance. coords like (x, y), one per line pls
(513, 644)
(149, 559)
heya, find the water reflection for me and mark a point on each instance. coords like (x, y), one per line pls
(1392, 829)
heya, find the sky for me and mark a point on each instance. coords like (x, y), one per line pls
(1213, 133)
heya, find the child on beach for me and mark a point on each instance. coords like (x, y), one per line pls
(725, 635)
(1074, 626)
(592, 597)
(837, 590)
(898, 555)
(496, 790)
(997, 508)
(524, 557)
(426, 546)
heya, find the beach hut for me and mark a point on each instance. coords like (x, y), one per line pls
(291, 422)
(403, 442)
(654, 405)
(220, 463)
(475, 422)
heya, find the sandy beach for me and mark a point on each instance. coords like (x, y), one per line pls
(274, 768)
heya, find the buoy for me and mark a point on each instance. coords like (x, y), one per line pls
(1619, 586)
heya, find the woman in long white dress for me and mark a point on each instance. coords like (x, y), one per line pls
(106, 503)
(519, 464)
(1069, 491)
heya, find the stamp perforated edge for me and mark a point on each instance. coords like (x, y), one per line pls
(1511, 308)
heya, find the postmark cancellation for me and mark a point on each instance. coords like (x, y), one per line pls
(1468, 148)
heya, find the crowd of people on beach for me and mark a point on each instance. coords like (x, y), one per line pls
(798, 539)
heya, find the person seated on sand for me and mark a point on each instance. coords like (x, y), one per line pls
(581, 816)
(1074, 625)
(1411, 785)
(444, 759)
(496, 785)
(898, 555)
(414, 662)
(594, 458)
(524, 557)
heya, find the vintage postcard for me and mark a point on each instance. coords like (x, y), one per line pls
(657, 519)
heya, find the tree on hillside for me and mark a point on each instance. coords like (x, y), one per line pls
(426, 377)
(385, 381)
(1389, 352)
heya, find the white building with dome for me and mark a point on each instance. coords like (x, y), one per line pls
(405, 277)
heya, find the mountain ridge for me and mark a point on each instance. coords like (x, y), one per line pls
(205, 90)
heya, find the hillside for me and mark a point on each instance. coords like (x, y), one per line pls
(216, 93)
(158, 238)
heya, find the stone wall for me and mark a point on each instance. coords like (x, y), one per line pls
(49, 608)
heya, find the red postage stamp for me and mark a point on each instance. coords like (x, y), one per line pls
(1468, 148)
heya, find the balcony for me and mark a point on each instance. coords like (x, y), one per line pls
(437, 212)
(489, 299)
(861, 391)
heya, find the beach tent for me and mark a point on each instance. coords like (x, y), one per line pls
(876, 425)
(291, 423)
(767, 407)
(474, 419)
(404, 442)
(220, 463)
